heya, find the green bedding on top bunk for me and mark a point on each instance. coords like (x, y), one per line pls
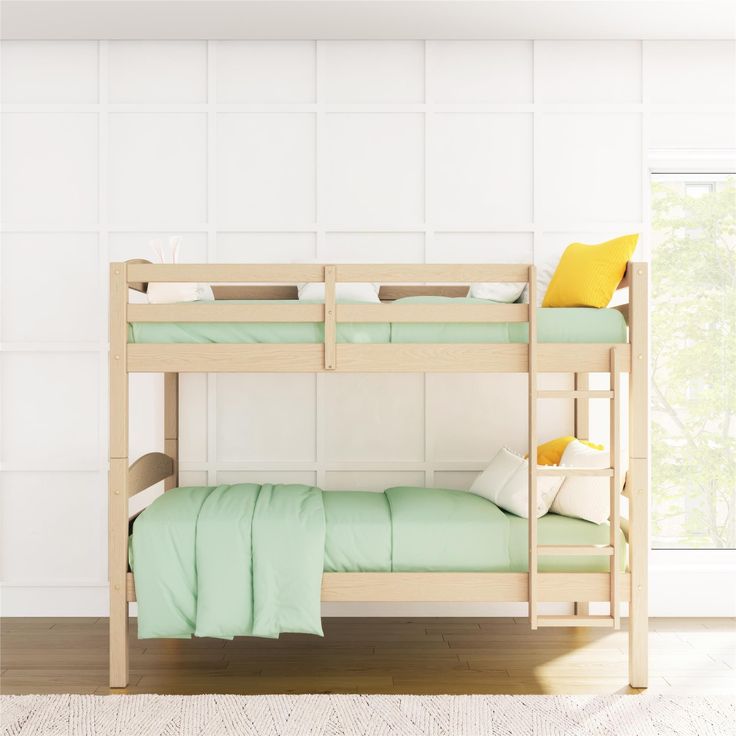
(248, 559)
(571, 325)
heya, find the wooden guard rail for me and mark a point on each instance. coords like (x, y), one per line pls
(139, 274)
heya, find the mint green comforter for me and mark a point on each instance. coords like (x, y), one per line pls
(247, 559)
(240, 560)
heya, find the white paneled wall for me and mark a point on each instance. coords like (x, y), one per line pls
(405, 151)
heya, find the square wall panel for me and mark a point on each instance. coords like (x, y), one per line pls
(157, 168)
(373, 169)
(193, 417)
(193, 478)
(372, 480)
(40, 515)
(481, 248)
(589, 168)
(231, 477)
(265, 169)
(372, 71)
(374, 248)
(374, 417)
(265, 416)
(587, 71)
(124, 246)
(146, 414)
(471, 416)
(50, 401)
(265, 71)
(158, 72)
(49, 172)
(457, 480)
(266, 247)
(692, 130)
(37, 302)
(690, 71)
(480, 169)
(49, 72)
(479, 71)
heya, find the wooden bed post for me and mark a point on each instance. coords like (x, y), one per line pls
(171, 426)
(533, 558)
(582, 432)
(118, 477)
(639, 475)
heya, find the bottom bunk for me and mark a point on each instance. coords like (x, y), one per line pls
(251, 559)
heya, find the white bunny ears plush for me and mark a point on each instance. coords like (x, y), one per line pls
(170, 293)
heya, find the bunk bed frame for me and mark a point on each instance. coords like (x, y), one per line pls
(260, 281)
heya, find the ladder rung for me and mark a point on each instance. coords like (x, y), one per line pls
(577, 394)
(584, 550)
(604, 621)
(562, 470)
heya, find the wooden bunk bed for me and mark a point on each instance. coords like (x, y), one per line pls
(268, 282)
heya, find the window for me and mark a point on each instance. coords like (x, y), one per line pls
(694, 361)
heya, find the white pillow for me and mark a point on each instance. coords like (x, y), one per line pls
(506, 482)
(581, 496)
(545, 271)
(506, 292)
(367, 293)
(160, 292)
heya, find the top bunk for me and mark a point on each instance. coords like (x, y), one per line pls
(424, 322)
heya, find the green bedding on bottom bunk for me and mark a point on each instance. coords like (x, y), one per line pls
(248, 559)
(566, 325)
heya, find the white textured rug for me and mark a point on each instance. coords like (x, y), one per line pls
(366, 715)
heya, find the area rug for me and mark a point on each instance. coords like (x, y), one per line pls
(366, 715)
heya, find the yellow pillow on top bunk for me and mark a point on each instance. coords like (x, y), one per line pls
(550, 453)
(587, 275)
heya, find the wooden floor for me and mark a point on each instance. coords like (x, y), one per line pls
(378, 655)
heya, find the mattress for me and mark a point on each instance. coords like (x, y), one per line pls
(558, 325)
(412, 529)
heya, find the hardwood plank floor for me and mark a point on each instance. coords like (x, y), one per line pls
(373, 655)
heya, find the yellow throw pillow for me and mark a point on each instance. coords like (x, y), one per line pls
(587, 275)
(550, 453)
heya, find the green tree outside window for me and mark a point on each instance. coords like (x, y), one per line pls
(693, 318)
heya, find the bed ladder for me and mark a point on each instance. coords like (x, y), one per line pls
(612, 549)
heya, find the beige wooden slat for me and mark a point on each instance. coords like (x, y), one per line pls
(295, 358)
(464, 273)
(577, 394)
(483, 313)
(576, 550)
(251, 358)
(470, 587)
(563, 470)
(214, 312)
(596, 621)
(290, 273)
